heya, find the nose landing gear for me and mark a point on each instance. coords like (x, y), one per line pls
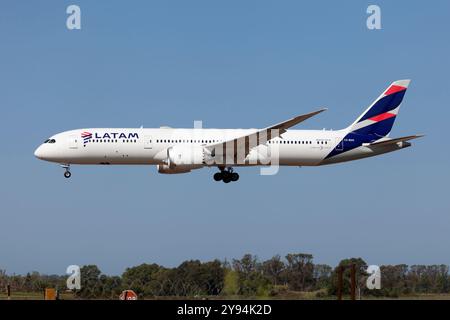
(226, 175)
(67, 173)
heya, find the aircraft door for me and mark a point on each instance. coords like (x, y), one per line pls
(73, 142)
(148, 142)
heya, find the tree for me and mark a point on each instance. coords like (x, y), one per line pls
(299, 271)
(196, 278)
(141, 278)
(252, 280)
(361, 276)
(273, 269)
(91, 286)
(394, 280)
(231, 283)
(322, 276)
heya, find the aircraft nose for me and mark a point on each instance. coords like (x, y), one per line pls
(38, 152)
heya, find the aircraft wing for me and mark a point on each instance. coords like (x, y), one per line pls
(394, 141)
(244, 144)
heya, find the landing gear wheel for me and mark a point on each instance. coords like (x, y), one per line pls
(227, 179)
(226, 175)
(67, 174)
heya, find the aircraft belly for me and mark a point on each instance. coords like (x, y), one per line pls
(360, 153)
(118, 155)
(301, 156)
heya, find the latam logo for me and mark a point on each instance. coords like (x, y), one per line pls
(88, 136)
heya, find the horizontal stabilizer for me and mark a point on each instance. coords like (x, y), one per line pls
(393, 141)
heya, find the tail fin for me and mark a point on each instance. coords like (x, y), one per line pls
(379, 118)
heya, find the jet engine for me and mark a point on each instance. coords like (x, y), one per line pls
(191, 156)
(182, 159)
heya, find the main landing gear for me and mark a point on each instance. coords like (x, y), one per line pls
(226, 175)
(67, 173)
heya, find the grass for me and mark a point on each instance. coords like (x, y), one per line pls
(288, 296)
(33, 296)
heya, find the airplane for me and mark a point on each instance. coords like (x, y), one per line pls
(176, 150)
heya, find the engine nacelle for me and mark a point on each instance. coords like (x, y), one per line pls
(165, 169)
(185, 156)
(182, 159)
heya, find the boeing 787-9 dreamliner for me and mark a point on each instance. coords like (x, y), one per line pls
(175, 150)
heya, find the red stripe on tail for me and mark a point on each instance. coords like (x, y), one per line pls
(382, 117)
(393, 89)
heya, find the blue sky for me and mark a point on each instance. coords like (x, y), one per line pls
(232, 64)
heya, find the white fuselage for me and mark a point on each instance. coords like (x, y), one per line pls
(183, 150)
(149, 146)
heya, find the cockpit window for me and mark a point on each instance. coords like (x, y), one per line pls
(50, 141)
(46, 141)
